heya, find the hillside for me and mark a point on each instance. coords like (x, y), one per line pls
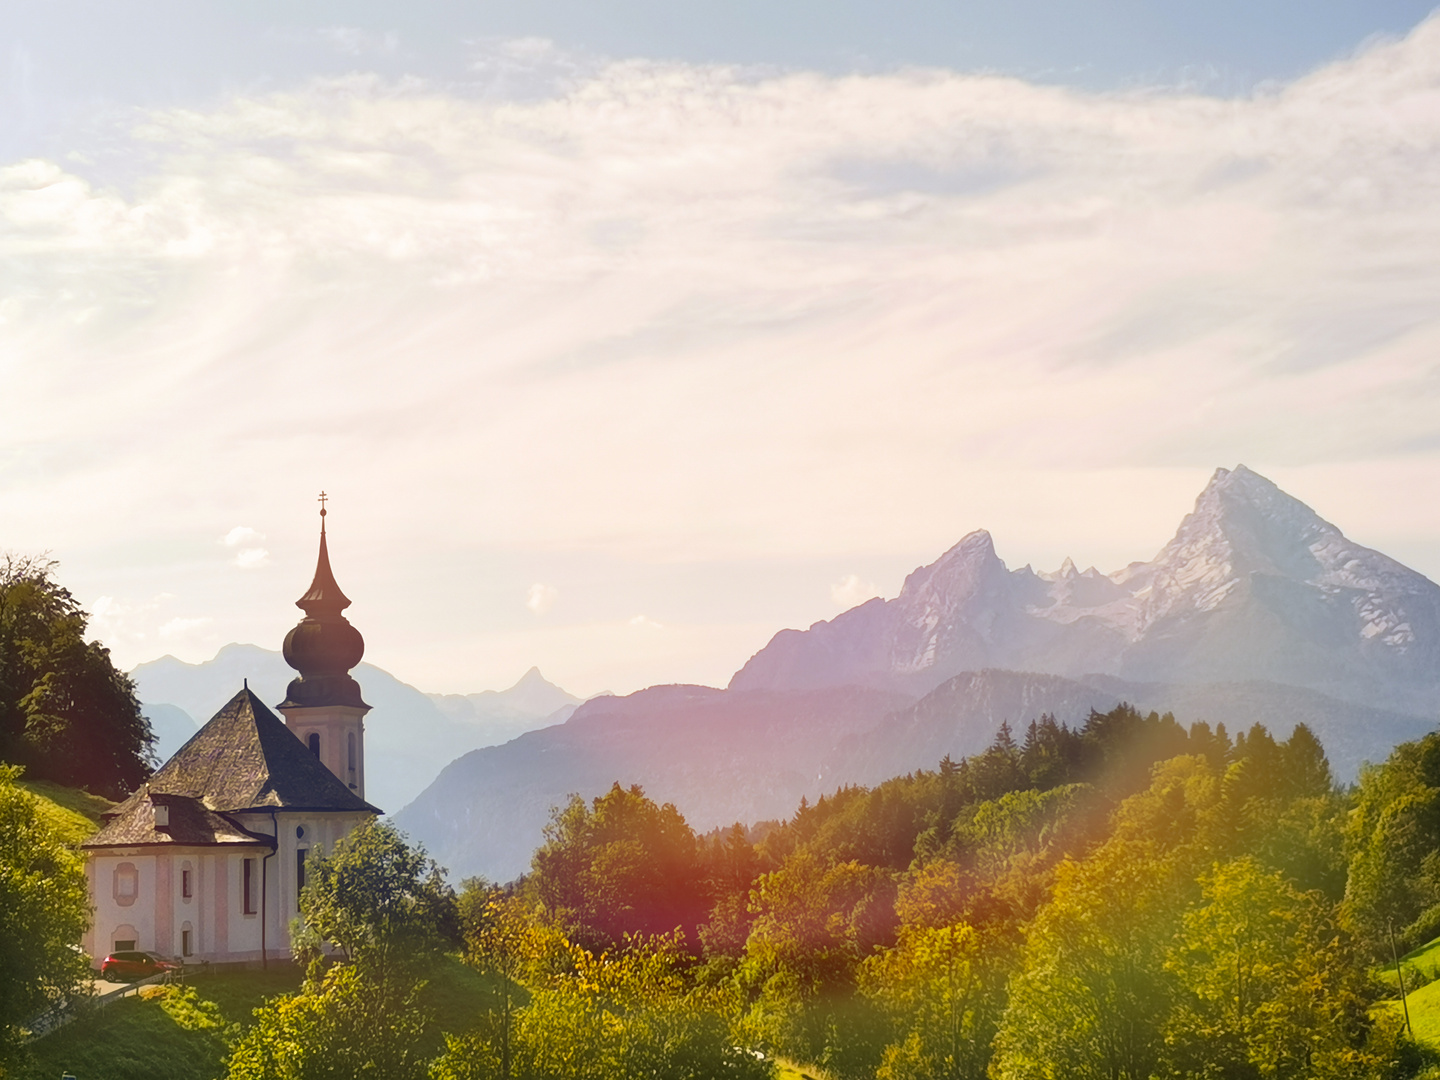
(183, 1033)
(719, 756)
(72, 813)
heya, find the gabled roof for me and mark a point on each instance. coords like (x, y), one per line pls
(132, 824)
(246, 758)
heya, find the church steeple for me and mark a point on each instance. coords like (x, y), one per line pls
(324, 646)
(324, 597)
(323, 706)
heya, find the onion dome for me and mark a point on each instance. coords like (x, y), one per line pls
(324, 646)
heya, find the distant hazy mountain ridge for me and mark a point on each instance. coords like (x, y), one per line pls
(409, 735)
(1254, 586)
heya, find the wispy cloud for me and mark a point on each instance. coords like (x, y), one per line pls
(683, 313)
(851, 590)
(541, 597)
(251, 555)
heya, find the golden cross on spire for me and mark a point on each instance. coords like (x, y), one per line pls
(322, 499)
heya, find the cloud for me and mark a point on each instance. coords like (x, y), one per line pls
(688, 316)
(645, 623)
(252, 558)
(242, 535)
(850, 590)
(182, 628)
(541, 598)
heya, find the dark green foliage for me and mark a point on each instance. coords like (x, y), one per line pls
(66, 713)
(622, 865)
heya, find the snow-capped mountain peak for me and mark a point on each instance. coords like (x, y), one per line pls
(1253, 585)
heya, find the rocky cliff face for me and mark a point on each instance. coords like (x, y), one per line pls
(1254, 585)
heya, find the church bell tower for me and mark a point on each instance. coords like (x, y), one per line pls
(322, 705)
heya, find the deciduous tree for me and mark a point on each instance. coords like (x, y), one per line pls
(66, 713)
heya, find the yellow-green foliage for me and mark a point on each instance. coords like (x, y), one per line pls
(74, 814)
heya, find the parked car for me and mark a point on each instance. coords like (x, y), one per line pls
(133, 965)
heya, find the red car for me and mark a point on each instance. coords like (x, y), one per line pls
(132, 965)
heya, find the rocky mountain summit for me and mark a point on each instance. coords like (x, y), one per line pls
(1253, 586)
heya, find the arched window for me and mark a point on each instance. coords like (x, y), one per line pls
(124, 937)
(350, 747)
(315, 743)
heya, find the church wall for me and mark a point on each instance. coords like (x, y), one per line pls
(218, 941)
(124, 894)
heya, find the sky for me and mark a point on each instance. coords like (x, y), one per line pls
(623, 334)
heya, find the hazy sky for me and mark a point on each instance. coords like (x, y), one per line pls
(625, 333)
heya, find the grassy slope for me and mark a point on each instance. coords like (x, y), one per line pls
(168, 1037)
(1422, 983)
(73, 813)
(179, 1037)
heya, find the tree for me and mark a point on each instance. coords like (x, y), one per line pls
(44, 909)
(1393, 839)
(944, 990)
(622, 865)
(623, 1015)
(814, 923)
(509, 939)
(337, 1028)
(386, 906)
(1091, 997)
(1267, 984)
(66, 713)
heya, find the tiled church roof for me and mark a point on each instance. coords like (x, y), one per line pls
(246, 758)
(132, 823)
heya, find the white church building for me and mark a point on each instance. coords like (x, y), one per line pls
(205, 862)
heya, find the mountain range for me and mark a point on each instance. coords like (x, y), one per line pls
(1254, 586)
(1257, 610)
(409, 735)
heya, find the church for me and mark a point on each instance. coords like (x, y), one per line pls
(205, 862)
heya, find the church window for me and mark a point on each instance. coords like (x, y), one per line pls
(315, 743)
(127, 884)
(299, 873)
(350, 745)
(187, 888)
(247, 886)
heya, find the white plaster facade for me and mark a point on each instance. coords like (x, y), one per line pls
(215, 922)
